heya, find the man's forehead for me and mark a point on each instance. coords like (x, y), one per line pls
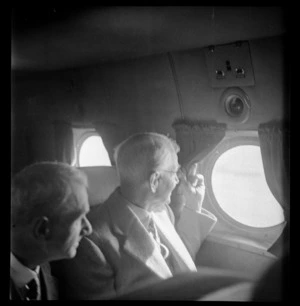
(172, 160)
(81, 195)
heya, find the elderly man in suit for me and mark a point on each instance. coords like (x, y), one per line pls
(134, 241)
(49, 204)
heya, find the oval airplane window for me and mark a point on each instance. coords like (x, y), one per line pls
(240, 188)
(92, 152)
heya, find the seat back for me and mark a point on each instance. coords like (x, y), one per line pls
(102, 180)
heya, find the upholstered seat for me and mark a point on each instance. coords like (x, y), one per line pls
(102, 180)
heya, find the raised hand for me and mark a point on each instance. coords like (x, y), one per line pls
(192, 187)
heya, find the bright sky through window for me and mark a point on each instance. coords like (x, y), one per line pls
(241, 189)
(93, 153)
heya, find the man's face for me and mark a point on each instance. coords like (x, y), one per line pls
(73, 225)
(168, 178)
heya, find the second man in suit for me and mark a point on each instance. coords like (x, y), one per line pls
(49, 203)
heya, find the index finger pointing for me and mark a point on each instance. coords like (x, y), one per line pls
(193, 169)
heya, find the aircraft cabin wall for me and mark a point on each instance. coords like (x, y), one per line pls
(137, 95)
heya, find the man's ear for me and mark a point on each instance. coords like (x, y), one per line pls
(154, 178)
(41, 228)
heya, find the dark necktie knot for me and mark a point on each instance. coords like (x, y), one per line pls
(151, 227)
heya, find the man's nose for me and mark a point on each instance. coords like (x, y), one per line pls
(87, 228)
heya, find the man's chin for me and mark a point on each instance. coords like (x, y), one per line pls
(168, 200)
(73, 251)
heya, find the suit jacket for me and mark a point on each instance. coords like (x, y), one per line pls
(120, 256)
(49, 286)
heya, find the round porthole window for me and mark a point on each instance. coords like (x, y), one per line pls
(235, 105)
(237, 186)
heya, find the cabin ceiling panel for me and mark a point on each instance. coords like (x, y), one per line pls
(140, 93)
(57, 38)
(48, 96)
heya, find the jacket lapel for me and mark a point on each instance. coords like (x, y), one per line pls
(49, 283)
(14, 292)
(169, 236)
(137, 241)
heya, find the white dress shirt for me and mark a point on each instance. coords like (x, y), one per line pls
(146, 217)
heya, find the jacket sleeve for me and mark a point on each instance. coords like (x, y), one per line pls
(88, 276)
(193, 227)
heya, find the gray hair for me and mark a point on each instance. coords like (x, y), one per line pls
(140, 154)
(43, 188)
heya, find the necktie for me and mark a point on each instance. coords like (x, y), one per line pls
(153, 231)
(31, 292)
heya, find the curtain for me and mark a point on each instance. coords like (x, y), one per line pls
(274, 144)
(111, 134)
(197, 138)
(49, 141)
(39, 141)
(64, 145)
(274, 140)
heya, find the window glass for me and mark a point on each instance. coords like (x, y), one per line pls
(93, 153)
(241, 190)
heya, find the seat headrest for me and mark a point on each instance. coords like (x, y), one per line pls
(102, 180)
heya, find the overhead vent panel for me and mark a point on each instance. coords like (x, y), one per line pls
(230, 65)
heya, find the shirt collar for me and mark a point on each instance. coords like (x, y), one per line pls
(143, 215)
(20, 274)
